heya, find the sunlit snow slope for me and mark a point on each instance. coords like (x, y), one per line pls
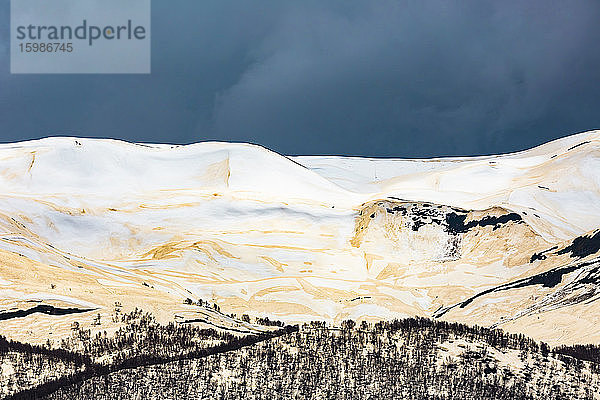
(504, 240)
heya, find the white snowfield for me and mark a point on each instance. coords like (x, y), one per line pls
(262, 233)
(554, 179)
(559, 181)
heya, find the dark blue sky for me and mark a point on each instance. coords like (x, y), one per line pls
(381, 78)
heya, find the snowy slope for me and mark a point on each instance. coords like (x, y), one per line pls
(294, 238)
(559, 180)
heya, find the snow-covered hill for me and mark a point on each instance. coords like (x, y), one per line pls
(92, 222)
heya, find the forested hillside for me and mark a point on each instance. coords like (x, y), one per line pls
(414, 358)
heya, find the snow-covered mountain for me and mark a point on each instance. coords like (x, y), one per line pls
(507, 240)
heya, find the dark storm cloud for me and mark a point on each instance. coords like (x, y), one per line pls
(385, 78)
